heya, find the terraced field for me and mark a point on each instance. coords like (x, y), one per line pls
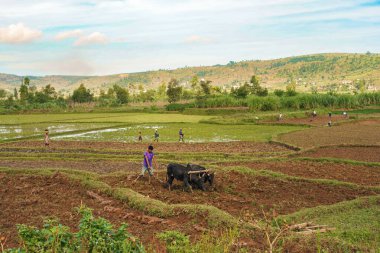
(330, 186)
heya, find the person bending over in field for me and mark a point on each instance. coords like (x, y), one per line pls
(313, 115)
(140, 137)
(181, 135)
(279, 117)
(148, 162)
(156, 136)
(46, 137)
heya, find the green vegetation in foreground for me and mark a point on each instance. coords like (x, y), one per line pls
(356, 222)
(94, 235)
(177, 242)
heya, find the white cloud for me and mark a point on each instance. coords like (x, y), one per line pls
(18, 33)
(93, 38)
(68, 34)
(197, 39)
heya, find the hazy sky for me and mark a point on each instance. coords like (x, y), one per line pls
(96, 37)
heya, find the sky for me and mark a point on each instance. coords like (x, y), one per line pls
(100, 37)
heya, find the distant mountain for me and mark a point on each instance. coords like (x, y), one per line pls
(319, 70)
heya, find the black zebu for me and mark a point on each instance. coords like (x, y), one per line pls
(181, 173)
(200, 178)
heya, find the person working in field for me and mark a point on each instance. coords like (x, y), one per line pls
(46, 137)
(156, 136)
(148, 162)
(140, 137)
(180, 135)
(313, 115)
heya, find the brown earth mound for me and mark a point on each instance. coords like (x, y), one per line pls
(366, 154)
(358, 174)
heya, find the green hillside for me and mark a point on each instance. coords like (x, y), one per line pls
(320, 71)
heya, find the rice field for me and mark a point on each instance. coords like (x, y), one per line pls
(125, 128)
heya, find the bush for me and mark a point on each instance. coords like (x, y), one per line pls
(279, 93)
(94, 235)
(177, 242)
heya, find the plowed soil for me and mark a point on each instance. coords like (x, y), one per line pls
(237, 193)
(222, 147)
(366, 154)
(358, 174)
(30, 199)
(99, 166)
(365, 132)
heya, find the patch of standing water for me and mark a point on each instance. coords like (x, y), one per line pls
(100, 134)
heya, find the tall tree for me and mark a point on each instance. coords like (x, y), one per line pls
(3, 93)
(161, 93)
(194, 82)
(206, 87)
(122, 95)
(15, 93)
(82, 95)
(24, 92)
(49, 91)
(174, 91)
(26, 81)
(255, 87)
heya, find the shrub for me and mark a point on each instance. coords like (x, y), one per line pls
(94, 235)
(177, 242)
(279, 93)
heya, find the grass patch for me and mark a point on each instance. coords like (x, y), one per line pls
(100, 117)
(357, 222)
(338, 160)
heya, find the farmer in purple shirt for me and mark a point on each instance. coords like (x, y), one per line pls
(148, 161)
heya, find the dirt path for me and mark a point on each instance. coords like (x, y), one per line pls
(30, 199)
(358, 174)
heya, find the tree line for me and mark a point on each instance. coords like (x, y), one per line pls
(201, 91)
